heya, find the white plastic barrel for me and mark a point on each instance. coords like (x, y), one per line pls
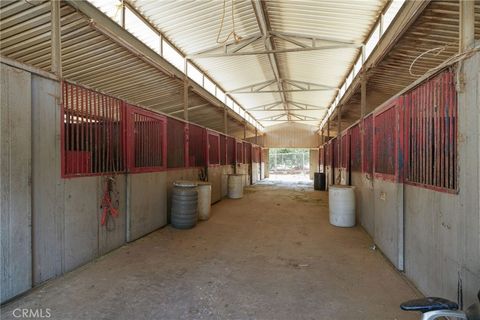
(342, 205)
(235, 186)
(204, 200)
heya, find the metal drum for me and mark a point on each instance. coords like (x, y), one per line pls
(184, 205)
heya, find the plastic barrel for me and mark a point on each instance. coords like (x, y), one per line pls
(204, 200)
(184, 205)
(342, 205)
(235, 186)
(319, 181)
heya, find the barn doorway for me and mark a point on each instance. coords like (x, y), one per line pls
(289, 164)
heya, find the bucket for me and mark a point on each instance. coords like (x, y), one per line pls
(342, 205)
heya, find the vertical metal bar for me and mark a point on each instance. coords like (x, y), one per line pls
(438, 93)
(98, 155)
(77, 130)
(436, 145)
(67, 104)
(452, 135)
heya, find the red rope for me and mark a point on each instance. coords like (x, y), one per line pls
(107, 206)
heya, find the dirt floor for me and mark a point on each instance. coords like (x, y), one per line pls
(270, 255)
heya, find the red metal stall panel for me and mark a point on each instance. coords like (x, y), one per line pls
(91, 132)
(247, 152)
(223, 149)
(213, 140)
(385, 155)
(230, 150)
(176, 136)
(367, 145)
(345, 145)
(321, 159)
(147, 140)
(197, 146)
(256, 154)
(239, 152)
(335, 157)
(355, 148)
(430, 134)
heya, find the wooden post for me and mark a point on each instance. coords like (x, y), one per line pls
(467, 25)
(185, 100)
(339, 135)
(328, 129)
(225, 120)
(56, 41)
(363, 94)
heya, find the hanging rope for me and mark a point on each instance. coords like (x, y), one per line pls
(108, 209)
(236, 37)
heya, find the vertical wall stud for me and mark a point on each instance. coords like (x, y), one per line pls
(56, 44)
(225, 120)
(467, 25)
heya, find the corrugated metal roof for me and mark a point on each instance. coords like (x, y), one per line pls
(193, 26)
(437, 27)
(91, 58)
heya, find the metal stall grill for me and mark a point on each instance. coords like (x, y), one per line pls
(92, 127)
(345, 145)
(367, 144)
(431, 134)
(176, 136)
(197, 146)
(223, 150)
(256, 154)
(248, 152)
(335, 157)
(213, 148)
(146, 136)
(355, 149)
(385, 142)
(321, 159)
(328, 154)
(239, 151)
(230, 144)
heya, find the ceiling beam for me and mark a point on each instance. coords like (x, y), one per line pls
(295, 37)
(264, 25)
(273, 51)
(266, 107)
(234, 45)
(299, 85)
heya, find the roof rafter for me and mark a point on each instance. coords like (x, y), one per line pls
(299, 85)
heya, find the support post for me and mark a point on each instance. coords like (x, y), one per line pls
(185, 91)
(56, 41)
(339, 133)
(225, 120)
(328, 129)
(363, 94)
(185, 100)
(256, 136)
(467, 25)
(244, 130)
(323, 138)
